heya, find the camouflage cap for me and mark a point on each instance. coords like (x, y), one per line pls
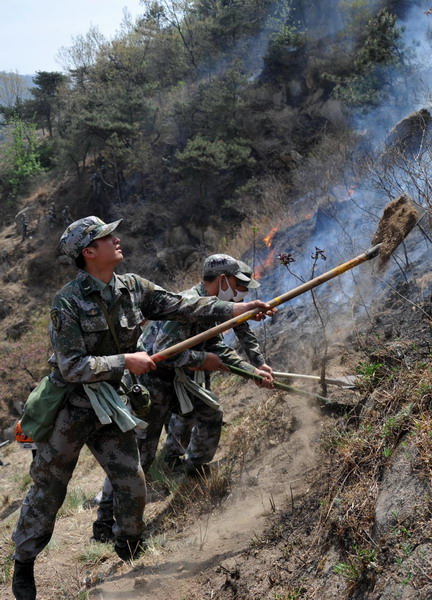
(81, 233)
(246, 270)
(217, 264)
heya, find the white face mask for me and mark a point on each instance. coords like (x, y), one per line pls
(239, 296)
(227, 294)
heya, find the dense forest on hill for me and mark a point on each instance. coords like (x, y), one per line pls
(205, 108)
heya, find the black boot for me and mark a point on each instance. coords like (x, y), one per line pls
(131, 550)
(174, 463)
(102, 531)
(23, 583)
(198, 471)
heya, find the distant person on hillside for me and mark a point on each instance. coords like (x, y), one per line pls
(94, 327)
(174, 387)
(24, 227)
(66, 217)
(96, 184)
(52, 216)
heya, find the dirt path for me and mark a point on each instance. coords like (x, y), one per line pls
(272, 480)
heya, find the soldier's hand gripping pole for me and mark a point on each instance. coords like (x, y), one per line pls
(301, 289)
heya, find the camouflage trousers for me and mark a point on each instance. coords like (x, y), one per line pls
(180, 433)
(52, 468)
(204, 426)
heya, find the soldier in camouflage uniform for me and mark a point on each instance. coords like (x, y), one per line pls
(24, 227)
(179, 428)
(222, 275)
(87, 353)
(66, 217)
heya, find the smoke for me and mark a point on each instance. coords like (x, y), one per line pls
(344, 227)
(407, 88)
(343, 224)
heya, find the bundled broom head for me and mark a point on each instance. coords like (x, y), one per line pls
(398, 219)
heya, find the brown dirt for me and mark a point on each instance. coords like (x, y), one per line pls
(398, 219)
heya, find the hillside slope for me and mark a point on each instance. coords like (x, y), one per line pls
(307, 500)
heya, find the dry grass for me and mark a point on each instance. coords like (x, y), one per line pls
(398, 410)
(242, 441)
(195, 496)
(246, 437)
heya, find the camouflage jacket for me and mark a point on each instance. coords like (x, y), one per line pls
(249, 344)
(84, 348)
(157, 336)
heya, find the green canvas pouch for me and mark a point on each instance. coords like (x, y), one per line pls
(41, 409)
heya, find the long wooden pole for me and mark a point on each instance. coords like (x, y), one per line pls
(301, 289)
(346, 381)
(276, 384)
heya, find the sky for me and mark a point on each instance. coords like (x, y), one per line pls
(32, 31)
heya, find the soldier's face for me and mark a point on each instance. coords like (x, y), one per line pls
(108, 251)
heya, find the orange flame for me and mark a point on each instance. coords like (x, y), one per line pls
(266, 265)
(268, 241)
(269, 237)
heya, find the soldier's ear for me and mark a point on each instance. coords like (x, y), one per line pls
(88, 252)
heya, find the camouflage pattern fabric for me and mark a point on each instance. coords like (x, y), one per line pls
(179, 428)
(171, 333)
(84, 352)
(52, 469)
(179, 432)
(249, 344)
(202, 427)
(216, 264)
(203, 420)
(79, 234)
(206, 422)
(79, 329)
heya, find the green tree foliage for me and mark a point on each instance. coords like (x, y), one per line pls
(202, 156)
(184, 94)
(203, 160)
(20, 157)
(380, 52)
(46, 103)
(287, 39)
(356, 14)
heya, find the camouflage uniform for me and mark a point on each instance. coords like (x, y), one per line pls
(85, 352)
(66, 218)
(205, 420)
(179, 427)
